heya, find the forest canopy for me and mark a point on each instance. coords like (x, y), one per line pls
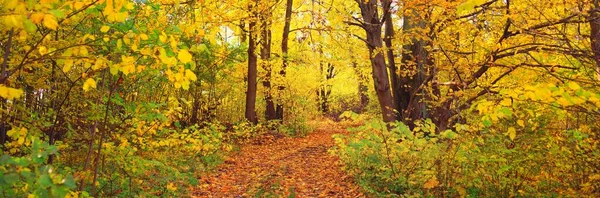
(462, 98)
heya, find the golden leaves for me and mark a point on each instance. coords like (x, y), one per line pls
(431, 183)
(127, 64)
(574, 86)
(171, 186)
(184, 56)
(89, 84)
(67, 65)
(521, 123)
(10, 93)
(512, 133)
(37, 17)
(143, 36)
(50, 21)
(104, 29)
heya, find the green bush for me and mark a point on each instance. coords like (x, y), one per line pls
(27, 174)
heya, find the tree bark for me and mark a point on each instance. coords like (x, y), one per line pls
(284, 52)
(362, 88)
(373, 26)
(388, 36)
(265, 56)
(415, 63)
(594, 18)
(252, 76)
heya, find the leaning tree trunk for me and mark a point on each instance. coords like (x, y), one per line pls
(373, 26)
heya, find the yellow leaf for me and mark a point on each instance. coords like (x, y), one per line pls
(190, 75)
(83, 51)
(144, 37)
(162, 37)
(185, 85)
(114, 69)
(10, 93)
(89, 83)
(50, 21)
(68, 64)
(104, 29)
(98, 64)
(78, 5)
(129, 6)
(128, 69)
(563, 102)
(184, 56)
(512, 133)
(43, 50)
(506, 102)
(171, 187)
(574, 86)
(521, 123)
(37, 17)
(431, 183)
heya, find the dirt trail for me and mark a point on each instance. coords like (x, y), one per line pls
(282, 167)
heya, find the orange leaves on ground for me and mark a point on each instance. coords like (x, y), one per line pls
(278, 166)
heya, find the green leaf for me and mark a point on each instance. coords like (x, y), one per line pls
(59, 14)
(59, 191)
(11, 178)
(70, 182)
(26, 173)
(487, 122)
(506, 111)
(29, 26)
(45, 181)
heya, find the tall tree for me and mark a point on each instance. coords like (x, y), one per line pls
(284, 52)
(372, 24)
(265, 56)
(594, 20)
(252, 72)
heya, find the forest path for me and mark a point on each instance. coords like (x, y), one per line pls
(280, 167)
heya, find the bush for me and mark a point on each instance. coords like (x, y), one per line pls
(471, 161)
(24, 171)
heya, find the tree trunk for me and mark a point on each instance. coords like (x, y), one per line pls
(252, 76)
(388, 36)
(374, 41)
(284, 52)
(325, 89)
(362, 88)
(594, 19)
(265, 56)
(415, 63)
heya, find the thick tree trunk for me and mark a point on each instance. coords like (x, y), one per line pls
(594, 19)
(284, 52)
(252, 76)
(416, 62)
(372, 26)
(388, 36)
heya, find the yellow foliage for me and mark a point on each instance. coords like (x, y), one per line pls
(50, 21)
(10, 93)
(104, 29)
(90, 83)
(184, 56)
